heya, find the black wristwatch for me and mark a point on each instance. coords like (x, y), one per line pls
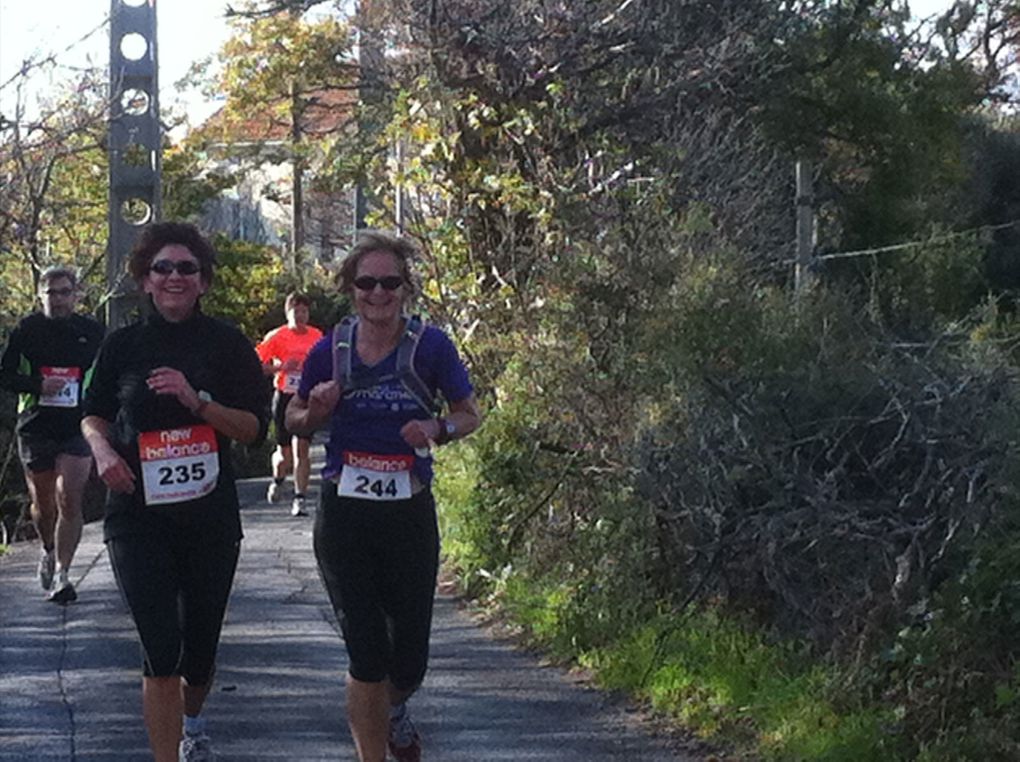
(447, 430)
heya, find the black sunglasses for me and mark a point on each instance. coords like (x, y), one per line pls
(388, 282)
(167, 266)
(59, 291)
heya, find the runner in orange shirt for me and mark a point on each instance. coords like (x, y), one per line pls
(283, 352)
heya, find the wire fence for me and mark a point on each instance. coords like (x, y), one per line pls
(915, 244)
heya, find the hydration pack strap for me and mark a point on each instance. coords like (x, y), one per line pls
(343, 373)
(343, 335)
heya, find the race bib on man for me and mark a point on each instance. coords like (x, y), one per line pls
(68, 395)
(375, 477)
(291, 381)
(178, 464)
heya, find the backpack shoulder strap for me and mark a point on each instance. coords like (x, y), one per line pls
(343, 337)
(409, 343)
(409, 377)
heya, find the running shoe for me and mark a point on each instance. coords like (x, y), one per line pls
(297, 508)
(63, 593)
(404, 741)
(196, 748)
(409, 753)
(273, 493)
(47, 567)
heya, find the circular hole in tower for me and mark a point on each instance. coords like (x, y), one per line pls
(135, 211)
(133, 46)
(134, 102)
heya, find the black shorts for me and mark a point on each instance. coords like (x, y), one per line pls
(39, 453)
(176, 588)
(280, 402)
(378, 561)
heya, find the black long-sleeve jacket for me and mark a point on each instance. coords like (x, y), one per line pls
(217, 359)
(41, 345)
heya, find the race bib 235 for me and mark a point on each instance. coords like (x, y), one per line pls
(178, 464)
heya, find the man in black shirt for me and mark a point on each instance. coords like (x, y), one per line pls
(47, 361)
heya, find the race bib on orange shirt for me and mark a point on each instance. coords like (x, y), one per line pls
(291, 381)
(375, 477)
(178, 464)
(68, 395)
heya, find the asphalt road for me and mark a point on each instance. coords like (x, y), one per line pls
(70, 676)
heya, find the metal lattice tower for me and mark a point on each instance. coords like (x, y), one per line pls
(135, 141)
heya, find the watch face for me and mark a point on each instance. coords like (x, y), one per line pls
(205, 396)
(450, 428)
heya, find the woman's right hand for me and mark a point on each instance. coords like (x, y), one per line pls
(303, 417)
(115, 472)
(322, 399)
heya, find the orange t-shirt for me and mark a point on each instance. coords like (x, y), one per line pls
(282, 344)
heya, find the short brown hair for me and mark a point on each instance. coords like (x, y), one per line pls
(374, 240)
(294, 298)
(155, 237)
(57, 272)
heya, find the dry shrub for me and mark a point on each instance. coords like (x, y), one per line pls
(816, 472)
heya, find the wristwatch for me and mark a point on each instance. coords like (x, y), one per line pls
(204, 398)
(447, 430)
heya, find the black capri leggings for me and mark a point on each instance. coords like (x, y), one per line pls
(279, 410)
(378, 561)
(177, 589)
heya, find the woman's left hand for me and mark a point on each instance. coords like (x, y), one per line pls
(420, 433)
(171, 381)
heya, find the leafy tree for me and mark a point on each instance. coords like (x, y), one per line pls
(246, 284)
(985, 36)
(188, 183)
(54, 205)
(282, 74)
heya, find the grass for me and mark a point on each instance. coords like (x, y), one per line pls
(715, 676)
(724, 682)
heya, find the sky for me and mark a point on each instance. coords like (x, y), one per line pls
(187, 30)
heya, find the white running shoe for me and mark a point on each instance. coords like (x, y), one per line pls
(196, 748)
(297, 508)
(47, 567)
(273, 493)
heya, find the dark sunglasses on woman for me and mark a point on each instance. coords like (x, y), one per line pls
(388, 282)
(167, 266)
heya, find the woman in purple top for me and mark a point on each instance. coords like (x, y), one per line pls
(376, 538)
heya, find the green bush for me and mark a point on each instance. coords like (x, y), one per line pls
(954, 675)
(759, 472)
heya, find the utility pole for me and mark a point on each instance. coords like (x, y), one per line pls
(806, 234)
(135, 145)
(370, 62)
(297, 207)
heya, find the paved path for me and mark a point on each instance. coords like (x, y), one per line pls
(70, 679)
